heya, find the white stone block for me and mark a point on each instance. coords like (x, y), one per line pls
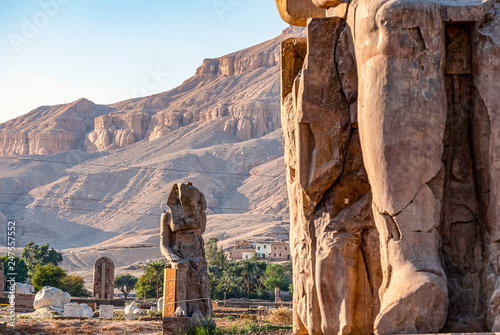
(129, 311)
(106, 311)
(51, 297)
(160, 305)
(24, 288)
(76, 310)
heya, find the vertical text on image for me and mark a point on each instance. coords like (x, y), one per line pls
(11, 268)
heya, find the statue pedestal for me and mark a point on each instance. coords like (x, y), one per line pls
(176, 325)
(169, 285)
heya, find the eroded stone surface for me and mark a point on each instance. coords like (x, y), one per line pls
(296, 12)
(104, 279)
(106, 311)
(333, 237)
(73, 309)
(426, 109)
(24, 288)
(51, 297)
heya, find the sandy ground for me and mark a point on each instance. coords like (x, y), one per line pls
(41, 322)
(84, 327)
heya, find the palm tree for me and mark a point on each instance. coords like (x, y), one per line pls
(248, 273)
(154, 272)
(231, 281)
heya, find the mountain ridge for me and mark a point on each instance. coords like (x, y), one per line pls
(242, 88)
(80, 175)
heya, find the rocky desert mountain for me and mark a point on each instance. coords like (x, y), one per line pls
(92, 180)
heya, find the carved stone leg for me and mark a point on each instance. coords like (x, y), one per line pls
(402, 115)
(338, 254)
(485, 127)
(180, 290)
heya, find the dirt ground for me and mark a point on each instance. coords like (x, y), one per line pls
(44, 324)
(105, 327)
(84, 327)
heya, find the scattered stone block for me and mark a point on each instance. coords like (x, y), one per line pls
(75, 310)
(106, 311)
(24, 288)
(51, 297)
(129, 311)
(160, 305)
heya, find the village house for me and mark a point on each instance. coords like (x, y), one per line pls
(263, 249)
(266, 250)
(243, 250)
(280, 251)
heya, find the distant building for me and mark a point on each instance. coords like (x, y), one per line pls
(263, 249)
(280, 251)
(243, 250)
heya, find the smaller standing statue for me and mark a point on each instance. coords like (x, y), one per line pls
(104, 276)
(186, 291)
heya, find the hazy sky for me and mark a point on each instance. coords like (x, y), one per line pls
(57, 51)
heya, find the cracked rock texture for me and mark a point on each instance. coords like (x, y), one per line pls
(333, 238)
(428, 103)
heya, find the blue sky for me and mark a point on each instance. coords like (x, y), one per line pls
(57, 51)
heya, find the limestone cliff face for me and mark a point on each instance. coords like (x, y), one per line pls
(49, 129)
(117, 130)
(240, 91)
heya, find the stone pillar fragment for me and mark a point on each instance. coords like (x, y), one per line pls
(104, 277)
(103, 280)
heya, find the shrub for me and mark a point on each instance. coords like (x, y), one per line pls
(47, 275)
(281, 316)
(205, 327)
(74, 286)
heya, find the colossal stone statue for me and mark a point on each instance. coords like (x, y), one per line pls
(428, 106)
(182, 226)
(333, 237)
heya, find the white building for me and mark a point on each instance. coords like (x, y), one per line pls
(263, 249)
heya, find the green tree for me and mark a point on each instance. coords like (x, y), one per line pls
(211, 249)
(74, 285)
(34, 255)
(215, 256)
(146, 289)
(217, 264)
(14, 264)
(154, 274)
(125, 283)
(275, 277)
(248, 272)
(231, 281)
(47, 275)
(260, 270)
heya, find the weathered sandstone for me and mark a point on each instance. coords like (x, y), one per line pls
(187, 290)
(104, 277)
(426, 110)
(333, 237)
